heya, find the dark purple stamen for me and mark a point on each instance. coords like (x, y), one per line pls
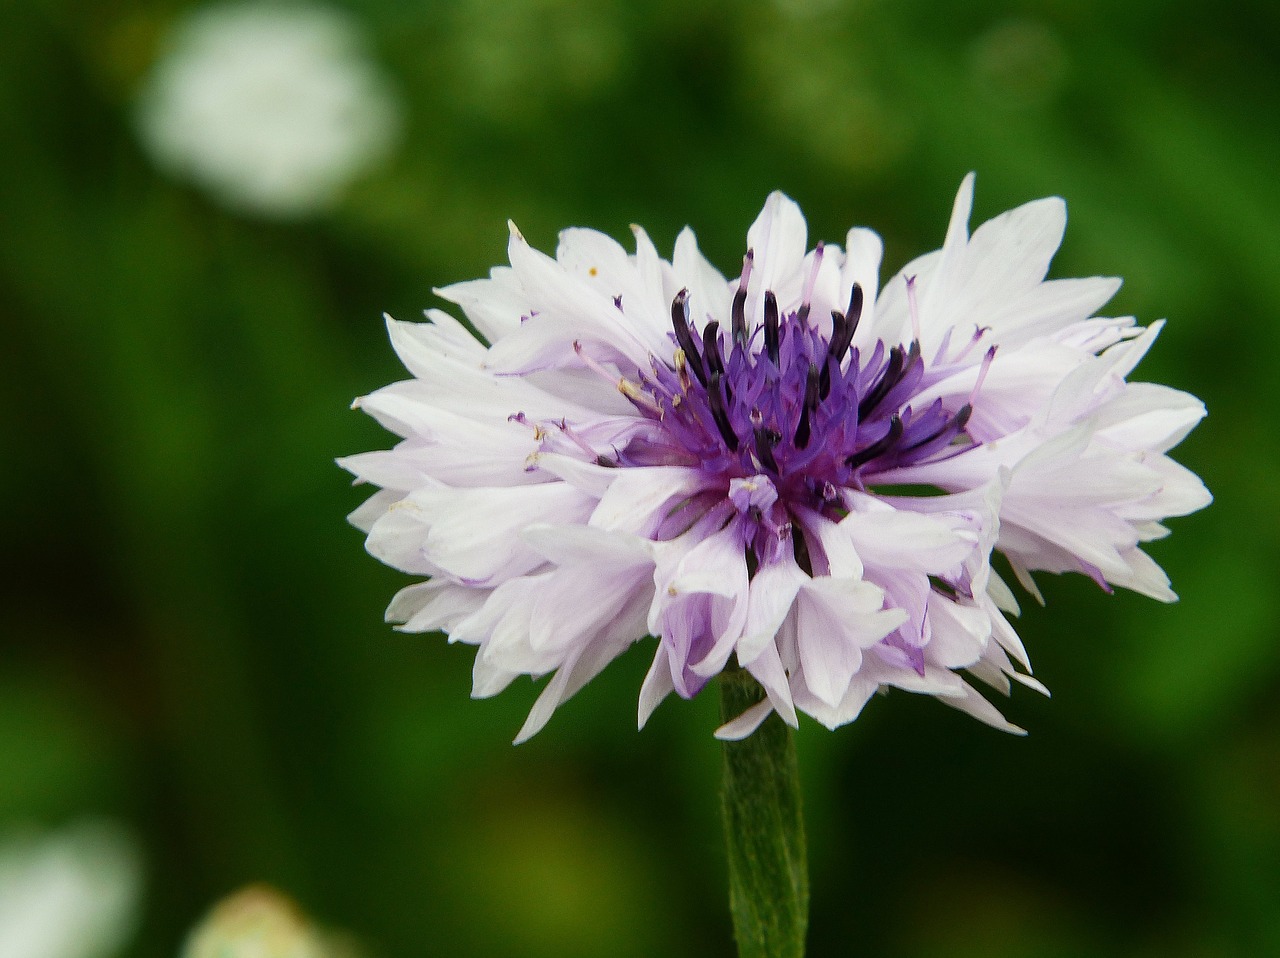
(766, 439)
(951, 426)
(771, 326)
(900, 363)
(803, 407)
(716, 400)
(824, 378)
(714, 360)
(809, 407)
(843, 326)
(842, 335)
(740, 316)
(739, 328)
(880, 446)
(684, 335)
(711, 348)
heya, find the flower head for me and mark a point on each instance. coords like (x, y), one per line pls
(790, 471)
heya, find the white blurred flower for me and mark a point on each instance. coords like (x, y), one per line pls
(259, 922)
(273, 109)
(254, 923)
(72, 894)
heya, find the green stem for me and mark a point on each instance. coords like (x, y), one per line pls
(763, 830)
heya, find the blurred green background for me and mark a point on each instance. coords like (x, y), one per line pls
(191, 638)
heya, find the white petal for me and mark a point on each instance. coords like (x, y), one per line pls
(648, 307)
(596, 259)
(493, 305)
(959, 633)
(396, 539)
(909, 540)
(1002, 595)
(487, 680)
(701, 597)
(579, 394)
(1047, 308)
(582, 667)
(849, 707)
(435, 605)
(739, 728)
(768, 670)
(841, 557)
(564, 310)
(592, 479)
(388, 469)
(710, 294)
(1011, 253)
(835, 620)
(657, 685)
(560, 622)
(373, 509)
(1006, 637)
(425, 347)
(974, 704)
(638, 498)
(947, 274)
(1149, 416)
(472, 533)
(1144, 576)
(777, 238)
(493, 455)
(772, 592)
(586, 545)
(863, 252)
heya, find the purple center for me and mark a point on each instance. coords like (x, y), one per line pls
(783, 418)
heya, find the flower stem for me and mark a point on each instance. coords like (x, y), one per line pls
(763, 830)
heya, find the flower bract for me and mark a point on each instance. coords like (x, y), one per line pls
(792, 470)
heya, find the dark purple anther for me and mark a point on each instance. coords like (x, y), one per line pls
(796, 402)
(880, 446)
(739, 327)
(842, 334)
(811, 399)
(843, 326)
(948, 430)
(684, 335)
(900, 363)
(771, 326)
(715, 400)
(892, 373)
(740, 317)
(711, 349)
(766, 439)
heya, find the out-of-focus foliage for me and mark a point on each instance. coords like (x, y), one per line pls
(191, 638)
